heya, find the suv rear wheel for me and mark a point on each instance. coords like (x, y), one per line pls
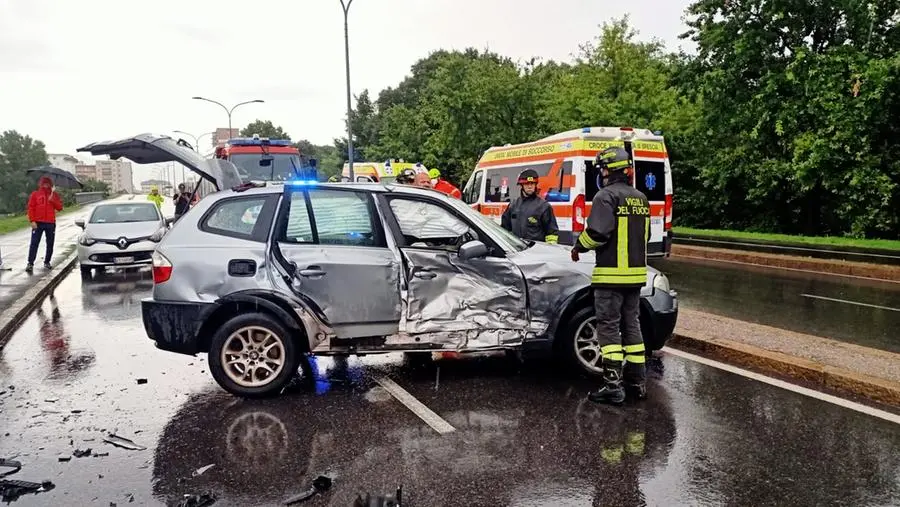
(253, 355)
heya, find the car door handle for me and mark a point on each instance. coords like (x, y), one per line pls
(424, 275)
(312, 271)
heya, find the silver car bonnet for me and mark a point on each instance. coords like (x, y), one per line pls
(152, 148)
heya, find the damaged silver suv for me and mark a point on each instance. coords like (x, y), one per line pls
(257, 277)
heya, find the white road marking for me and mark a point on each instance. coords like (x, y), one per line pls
(851, 302)
(858, 407)
(417, 407)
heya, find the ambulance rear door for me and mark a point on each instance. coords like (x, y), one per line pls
(653, 179)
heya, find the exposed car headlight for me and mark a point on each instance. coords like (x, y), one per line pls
(86, 240)
(661, 282)
(157, 236)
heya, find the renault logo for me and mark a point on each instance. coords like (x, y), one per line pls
(123, 243)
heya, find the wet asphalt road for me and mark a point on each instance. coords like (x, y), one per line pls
(863, 312)
(524, 435)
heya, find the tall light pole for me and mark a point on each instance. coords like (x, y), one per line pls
(196, 144)
(346, 8)
(229, 111)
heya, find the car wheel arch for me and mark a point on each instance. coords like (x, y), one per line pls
(239, 303)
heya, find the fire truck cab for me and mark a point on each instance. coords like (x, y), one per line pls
(267, 161)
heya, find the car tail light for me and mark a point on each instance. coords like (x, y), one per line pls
(162, 268)
(578, 214)
(668, 223)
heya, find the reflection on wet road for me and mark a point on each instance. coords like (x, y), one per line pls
(523, 435)
(829, 306)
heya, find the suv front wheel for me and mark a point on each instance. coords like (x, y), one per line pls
(253, 355)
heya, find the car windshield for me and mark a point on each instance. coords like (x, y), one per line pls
(124, 213)
(281, 167)
(510, 241)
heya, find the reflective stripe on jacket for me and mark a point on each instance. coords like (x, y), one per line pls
(531, 218)
(618, 229)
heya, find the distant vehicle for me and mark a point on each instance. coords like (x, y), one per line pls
(266, 161)
(379, 172)
(120, 235)
(569, 180)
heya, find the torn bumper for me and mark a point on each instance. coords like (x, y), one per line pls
(174, 326)
(659, 313)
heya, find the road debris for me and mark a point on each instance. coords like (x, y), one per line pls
(14, 465)
(380, 500)
(202, 469)
(100, 454)
(141, 381)
(320, 485)
(10, 491)
(51, 400)
(123, 442)
(201, 500)
(64, 458)
(78, 453)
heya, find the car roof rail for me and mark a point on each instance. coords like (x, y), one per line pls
(247, 186)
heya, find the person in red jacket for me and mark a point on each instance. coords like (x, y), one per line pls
(442, 185)
(42, 207)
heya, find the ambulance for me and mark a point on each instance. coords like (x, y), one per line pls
(569, 180)
(383, 172)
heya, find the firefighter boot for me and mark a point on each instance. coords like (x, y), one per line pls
(611, 392)
(634, 376)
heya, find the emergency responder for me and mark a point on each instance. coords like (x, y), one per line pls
(529, 216)
(442, 185)
(406, 177)
(333, 179)
(617, 230)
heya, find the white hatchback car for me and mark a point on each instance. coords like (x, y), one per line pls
(121, 234)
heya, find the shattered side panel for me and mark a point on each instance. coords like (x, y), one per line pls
(464, 304)
(549, 284)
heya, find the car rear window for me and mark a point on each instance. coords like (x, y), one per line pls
(239, 218)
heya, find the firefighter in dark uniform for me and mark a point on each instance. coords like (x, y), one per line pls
(529, 216)
(617, 230)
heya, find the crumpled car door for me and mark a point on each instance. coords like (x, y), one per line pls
(152, 148)
(472, 303)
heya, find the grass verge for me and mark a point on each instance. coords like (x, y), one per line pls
(16, 222)
(834, 241)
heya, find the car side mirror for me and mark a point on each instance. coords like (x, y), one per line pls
(473, 250)
(80, 223)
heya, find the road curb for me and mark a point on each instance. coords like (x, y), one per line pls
(12, 317)
(766, 361)
(879, 272)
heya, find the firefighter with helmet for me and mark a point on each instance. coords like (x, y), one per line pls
(617, 229)
(529, 216)
(406, 177)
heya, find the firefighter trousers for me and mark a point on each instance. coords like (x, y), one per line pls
(619, 331)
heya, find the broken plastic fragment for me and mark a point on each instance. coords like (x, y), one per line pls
(64, 458)
(13, 465)
(201, 500)
(78, 453)
(202, 469)
(141, 381)
(321, 484)
(123, 443)
(12, 490)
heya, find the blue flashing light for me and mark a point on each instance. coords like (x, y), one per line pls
(554, 196)
(302, 183)
(247, 141)
(586, 130)
(657, 132)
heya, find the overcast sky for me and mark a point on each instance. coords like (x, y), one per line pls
(76, 72)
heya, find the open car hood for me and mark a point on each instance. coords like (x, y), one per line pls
(153, 148)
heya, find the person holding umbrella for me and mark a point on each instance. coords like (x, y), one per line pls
(43, 205)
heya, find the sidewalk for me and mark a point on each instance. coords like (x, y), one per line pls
(846, 368)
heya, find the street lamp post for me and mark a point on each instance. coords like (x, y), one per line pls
(346, 8)
(229, 111)
(196, 144)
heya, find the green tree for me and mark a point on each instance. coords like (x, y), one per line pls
(17, 153)
(264, 129)
(329, 160)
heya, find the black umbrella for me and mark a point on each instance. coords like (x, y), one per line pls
(60, 177)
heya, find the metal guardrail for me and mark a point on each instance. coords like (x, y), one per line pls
(89, 197)
(869, 255)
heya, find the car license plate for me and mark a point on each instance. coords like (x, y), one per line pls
(123, 260)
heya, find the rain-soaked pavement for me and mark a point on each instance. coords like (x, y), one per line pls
(524, 436)
(864, 312)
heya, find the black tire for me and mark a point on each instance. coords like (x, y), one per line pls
(566, 349)
(86, 272)
(273, 385)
